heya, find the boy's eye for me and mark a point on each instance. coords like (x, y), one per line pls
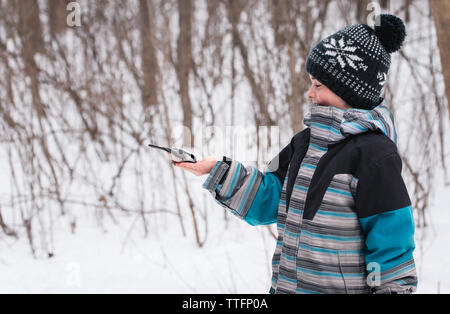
(318, 86)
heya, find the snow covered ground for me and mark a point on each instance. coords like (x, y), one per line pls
(235, 260)
(117, 258)
(433, 246)
(92, 261)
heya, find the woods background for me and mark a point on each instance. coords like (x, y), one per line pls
(78, 104)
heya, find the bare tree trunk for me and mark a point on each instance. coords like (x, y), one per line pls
(86, 90)
(29, 27)
(234, 9)
(441, 13)
(148, 53)
(192, 208)
(297, 86)
(184, 65)
(361, 10)
(7, 230)
(408, 4)
(168, 129)
(57, 16)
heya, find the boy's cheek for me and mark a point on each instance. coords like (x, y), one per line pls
(328, 99)
(324, 101)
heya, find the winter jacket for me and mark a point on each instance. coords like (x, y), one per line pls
(344, 217)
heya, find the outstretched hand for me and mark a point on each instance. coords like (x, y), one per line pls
(199, 168)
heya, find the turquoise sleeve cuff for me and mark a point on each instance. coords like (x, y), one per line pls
(389, 237)
(264, 209)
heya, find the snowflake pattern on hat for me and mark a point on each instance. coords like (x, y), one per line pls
(353, 64)
(343, 53)
(382, 77)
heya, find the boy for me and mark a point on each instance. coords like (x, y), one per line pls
(343, 213)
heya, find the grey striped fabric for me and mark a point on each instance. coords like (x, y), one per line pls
(238, 190)
(325, 254)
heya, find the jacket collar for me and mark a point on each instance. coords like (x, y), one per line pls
(330, 125)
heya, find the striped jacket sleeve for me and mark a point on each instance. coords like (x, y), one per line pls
(246, 192)
(386, 218)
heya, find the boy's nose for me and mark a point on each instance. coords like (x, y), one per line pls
(310, 93)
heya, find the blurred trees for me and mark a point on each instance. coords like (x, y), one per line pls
(78, 104)
(441, 14)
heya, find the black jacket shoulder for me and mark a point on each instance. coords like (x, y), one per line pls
(373, 146)
(300, 138)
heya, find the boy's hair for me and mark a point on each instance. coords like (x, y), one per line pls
(354, 62)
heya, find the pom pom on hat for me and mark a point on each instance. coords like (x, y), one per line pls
(391, 32)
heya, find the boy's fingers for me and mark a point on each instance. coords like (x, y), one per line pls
(184, 165)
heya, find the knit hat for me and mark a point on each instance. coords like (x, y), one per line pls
(354, 62)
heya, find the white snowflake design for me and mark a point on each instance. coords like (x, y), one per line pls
(344, 54)
(382, 77)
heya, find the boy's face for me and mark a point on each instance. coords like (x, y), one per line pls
(321, 95)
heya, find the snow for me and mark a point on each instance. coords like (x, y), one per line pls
(432, 252)
(94, 261)
(233, 260)
(117, 258)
